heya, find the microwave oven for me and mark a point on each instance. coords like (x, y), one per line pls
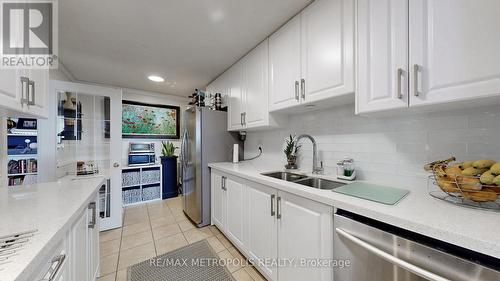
(141, 154)
(141, 147)
(141, 159)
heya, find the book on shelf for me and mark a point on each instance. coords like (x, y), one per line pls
(22, 166)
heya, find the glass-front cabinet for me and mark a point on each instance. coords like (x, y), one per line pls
(88, 141)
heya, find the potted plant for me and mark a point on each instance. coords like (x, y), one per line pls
(169, 170)
(290, 150)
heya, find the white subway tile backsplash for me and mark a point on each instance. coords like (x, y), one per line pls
(387, 150)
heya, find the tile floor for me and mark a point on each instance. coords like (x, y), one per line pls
(157, 228)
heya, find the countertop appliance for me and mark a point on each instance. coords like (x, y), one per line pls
(378, 251)
(205, 139)
(141, 154)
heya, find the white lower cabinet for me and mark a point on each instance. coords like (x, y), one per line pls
(262, 227)
(305, 234)
(235, 194)
(76, 256)
(271, 226)
(218, 205)
(84, 246)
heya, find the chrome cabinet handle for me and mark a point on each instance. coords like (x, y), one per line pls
(116, 165)
(297, 90)
(25, 90)
(31, 89)
(223, 183)
(272, 205)
(278, 207)
(303, 88)
(93, 207)
(54, 271)
(241, 119)
(416, 70)
(244, 118)
(390, 258)
(398, 87)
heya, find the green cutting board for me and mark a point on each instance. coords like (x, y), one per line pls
(377, 193)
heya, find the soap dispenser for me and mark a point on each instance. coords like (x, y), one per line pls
(345, 169)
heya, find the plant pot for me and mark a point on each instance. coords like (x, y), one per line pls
(170, 186)
(291, 160)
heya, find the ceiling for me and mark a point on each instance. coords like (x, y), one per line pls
(188, 42)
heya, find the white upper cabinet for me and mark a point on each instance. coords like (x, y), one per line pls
(236, 97)
(284, 66)
(382, 30)
(24, 92)
(327, 50)
(311, 58)
(452, 53)
(454, 50)
(256, 77)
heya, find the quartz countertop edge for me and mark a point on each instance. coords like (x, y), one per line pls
(45, 200)
(417, 212)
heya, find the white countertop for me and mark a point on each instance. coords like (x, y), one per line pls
(48, 207)
(473, 229)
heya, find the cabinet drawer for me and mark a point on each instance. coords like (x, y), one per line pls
(54, 266)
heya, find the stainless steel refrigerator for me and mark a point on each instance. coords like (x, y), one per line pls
(205, 139)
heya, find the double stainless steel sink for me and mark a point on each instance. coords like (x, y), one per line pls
(313, 182)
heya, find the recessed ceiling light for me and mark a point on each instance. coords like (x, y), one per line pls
(156, 78)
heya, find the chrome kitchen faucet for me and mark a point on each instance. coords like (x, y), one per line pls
(316, 169)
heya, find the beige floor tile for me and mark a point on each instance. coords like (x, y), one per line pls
(215, 230)
(165, 231)
(224, 241)
(207, 231)
(170, 243)
(121, 275)
(107, 248)
(216, 244)
(136, 228)
(162, 221)
(137, 239)
(135, 218)
(180, 217)
(186, 225)
(110, 235)
(109, 277)
(135, 255)
(154, 214)
(195, 235)
(242, 275)
(232, 266)
(108, 264)
(254, 273)
(235, 253)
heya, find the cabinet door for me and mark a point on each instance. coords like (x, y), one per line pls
(235, 197)
(38, 91)
(305, 231)
(255, 69)
(11, 89)
(453, 50)
(262, 227)
(79, 249)
(284, 65)
(218, 200)
(382, 55)
(236, 96)
(327, 49)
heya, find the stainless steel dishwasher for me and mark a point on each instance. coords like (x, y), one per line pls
(380, 252)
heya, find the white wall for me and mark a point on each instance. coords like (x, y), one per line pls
(152, 98)
(387, 150)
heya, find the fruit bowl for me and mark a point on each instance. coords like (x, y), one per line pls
(465, 184)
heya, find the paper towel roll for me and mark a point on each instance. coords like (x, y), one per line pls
(236, 152)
